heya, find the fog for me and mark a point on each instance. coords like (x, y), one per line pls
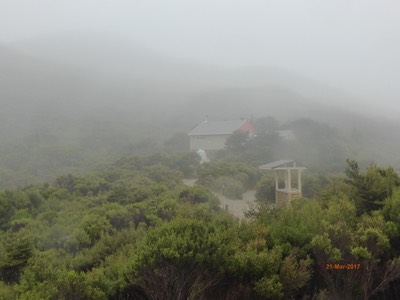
(105, 106)
(350, 46)
(110, 78)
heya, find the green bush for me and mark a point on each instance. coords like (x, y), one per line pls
(229, 187)
(265, 189)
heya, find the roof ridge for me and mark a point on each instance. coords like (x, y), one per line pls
(217, 127)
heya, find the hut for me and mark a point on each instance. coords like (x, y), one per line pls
(287, 180)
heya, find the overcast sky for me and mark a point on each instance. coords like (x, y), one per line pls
(353, 45)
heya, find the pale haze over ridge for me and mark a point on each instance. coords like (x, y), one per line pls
(350, 45)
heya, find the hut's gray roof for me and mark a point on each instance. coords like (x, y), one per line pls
(276, 164)
(217, 127)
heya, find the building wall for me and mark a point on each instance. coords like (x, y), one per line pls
(248, 127)
(283, 197)
(208, 142)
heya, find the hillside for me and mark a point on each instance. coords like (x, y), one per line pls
(70, 103)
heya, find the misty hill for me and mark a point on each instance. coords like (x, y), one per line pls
(133, 73)
(122, 62)
(72, 102)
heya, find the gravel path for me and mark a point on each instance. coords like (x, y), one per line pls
(189, 182)
(236, 207)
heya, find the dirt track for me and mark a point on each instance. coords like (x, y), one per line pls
(236, 207)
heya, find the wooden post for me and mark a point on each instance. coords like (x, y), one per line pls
(286, 181)
(299, 180)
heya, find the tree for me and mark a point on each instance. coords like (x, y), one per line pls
(237, 141)
(7, 291)
(266, 124)
(353, 253)
(372, 187)
(184, 258)
(17, 249)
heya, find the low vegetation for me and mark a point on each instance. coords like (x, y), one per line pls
(134, 231)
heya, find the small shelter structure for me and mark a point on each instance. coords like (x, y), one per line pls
(285, 191)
